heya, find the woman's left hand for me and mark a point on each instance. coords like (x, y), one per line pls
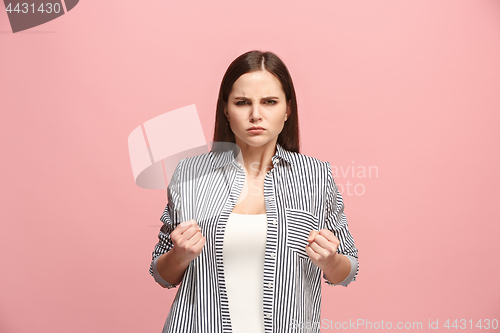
(322, 248)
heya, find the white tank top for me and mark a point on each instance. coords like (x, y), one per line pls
(243, 259)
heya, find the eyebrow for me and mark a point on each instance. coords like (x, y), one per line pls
(246, 98)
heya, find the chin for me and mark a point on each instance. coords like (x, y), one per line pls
(257, 144)
(256, 141)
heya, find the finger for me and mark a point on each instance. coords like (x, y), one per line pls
(193, 240)
(191, 227)
(326, 244)
(199, 246)
(328, 235)
(183, 226)
(310, 252)
(180, 238)
(319, 250)
(310, 249)
(188, 234)
(194, 223)
(312, 235)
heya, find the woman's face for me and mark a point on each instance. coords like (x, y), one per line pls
(257, 99)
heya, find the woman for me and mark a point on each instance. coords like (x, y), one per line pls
(250, 225)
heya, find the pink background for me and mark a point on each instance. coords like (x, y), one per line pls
(410, 87)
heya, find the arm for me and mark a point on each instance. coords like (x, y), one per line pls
(188, 243)
(322, 250)
(170, 268)
(332, 280)
(179, 243)
(341, 271)
(170, 219)
(344, 266)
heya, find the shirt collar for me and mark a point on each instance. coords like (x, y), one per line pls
(223, 158)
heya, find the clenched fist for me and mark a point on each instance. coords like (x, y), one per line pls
(322, 248)
(188, 241)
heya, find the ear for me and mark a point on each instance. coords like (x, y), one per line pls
(225, 112)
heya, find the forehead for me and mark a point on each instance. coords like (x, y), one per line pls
(260, 83)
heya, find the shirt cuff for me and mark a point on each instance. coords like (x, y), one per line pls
(350, 277)
(158, 278)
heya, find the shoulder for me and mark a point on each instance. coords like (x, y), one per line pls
(196, 159)
(304, 161)
(196, 164)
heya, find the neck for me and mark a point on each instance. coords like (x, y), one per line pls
(257, 160)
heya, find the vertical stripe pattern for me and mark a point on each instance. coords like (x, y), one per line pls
(300, 195)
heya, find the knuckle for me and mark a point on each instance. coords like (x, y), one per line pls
(181, 243)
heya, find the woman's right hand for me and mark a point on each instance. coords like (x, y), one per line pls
(188, 241)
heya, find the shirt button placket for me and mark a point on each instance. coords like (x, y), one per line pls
(269, 285)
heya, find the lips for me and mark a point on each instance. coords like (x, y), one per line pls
(255, 128)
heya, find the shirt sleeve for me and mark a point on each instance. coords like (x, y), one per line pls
(336, 222)
(170, 219)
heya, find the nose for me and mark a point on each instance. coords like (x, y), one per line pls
(255, 112)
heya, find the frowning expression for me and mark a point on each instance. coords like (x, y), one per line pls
(257, 100)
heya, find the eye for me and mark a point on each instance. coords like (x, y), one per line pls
(271, 102)
(241, 102)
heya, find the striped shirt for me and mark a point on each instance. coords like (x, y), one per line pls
(300, 195)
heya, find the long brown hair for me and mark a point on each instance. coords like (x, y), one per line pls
(253, 61)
